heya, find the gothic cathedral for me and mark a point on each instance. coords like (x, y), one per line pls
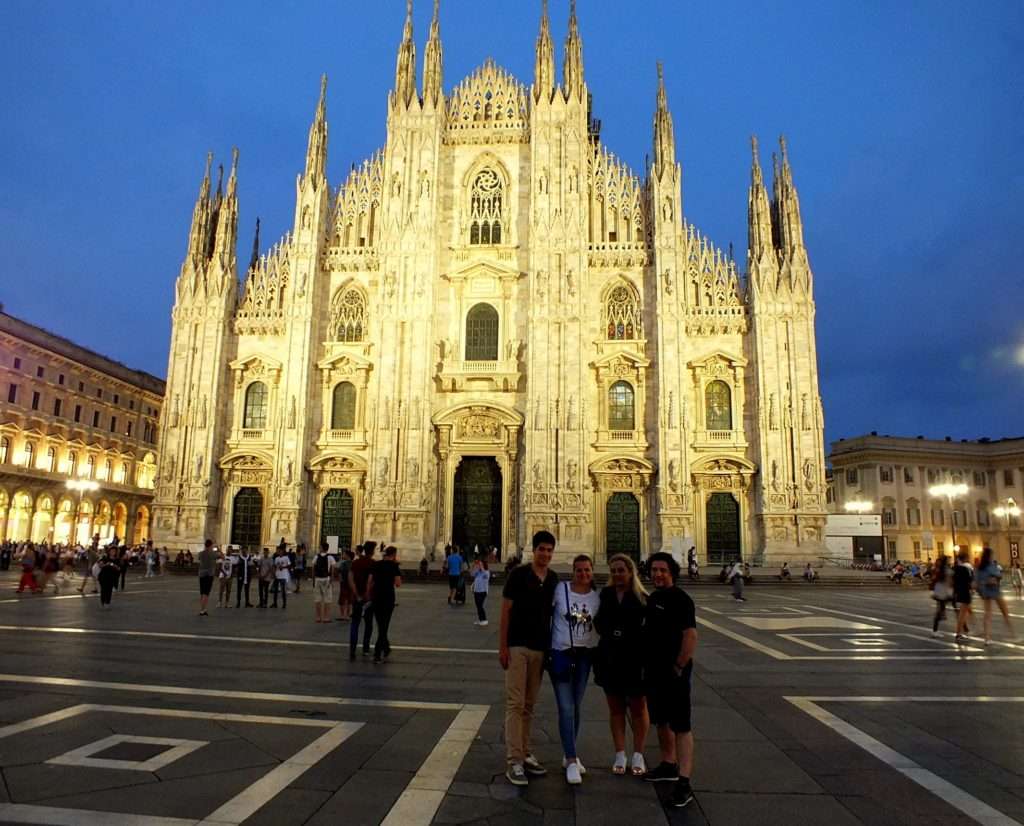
(494, 326)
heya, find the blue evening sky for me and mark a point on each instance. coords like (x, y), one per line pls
(904, 120)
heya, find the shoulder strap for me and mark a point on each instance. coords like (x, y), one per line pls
(568, 622)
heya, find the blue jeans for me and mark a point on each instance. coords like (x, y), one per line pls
(569, 693)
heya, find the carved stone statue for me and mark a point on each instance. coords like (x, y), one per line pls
(289, 469)
(199, 467)
(412, 470)
(202, 414)
(809, 473)
(175, 411)
(291, 414)
(381, 478)
(775, 475)
(571, 473)
(570, 415)
(673, 474)
(805, 413)
(773, 413)
(667, 277)
(538, 474)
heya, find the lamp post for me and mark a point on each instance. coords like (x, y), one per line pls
(861, 507)
(80, 485)
(950, 490)
(1010, 509)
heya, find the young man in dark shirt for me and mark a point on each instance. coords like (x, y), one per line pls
(523, 639)
(358, 578)
(670, 640)
(385, 576)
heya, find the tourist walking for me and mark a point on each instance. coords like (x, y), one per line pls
(282, 576)
(573, 640)
(454, 564)
(1017, 578)
(225, 570)
(523, 640)
(942, 591)
(618, 662)
(28, 571)
(243, 573)
(963, 583)
(481, 586)
(736, 580)
(107, 576)
(989, 581)
(122, 565)
(670, 640)
(299, 566)
(206, 559)
(266, 576)
(91, 555)
(362, 612)
(341, 572)
(385, 577)
(323, 567)
(151, 560)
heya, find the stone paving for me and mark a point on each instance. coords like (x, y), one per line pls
(812, 706)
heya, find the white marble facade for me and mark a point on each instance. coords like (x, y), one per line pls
(494, 282)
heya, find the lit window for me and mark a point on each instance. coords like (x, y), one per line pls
(349, 316)
(255, 406)
(718, 406)
(621, 409)
(5, 448)
(343, 407)
(485, 208)
(622, 314)
(482, 333)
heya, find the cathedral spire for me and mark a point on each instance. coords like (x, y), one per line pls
(759, 217)
(316, 151)
(664, 134)
(573, 66)
(433, 60)
(405, 67)
(254, 259)
(226, 242)
(544, 64)
(200, 230)
(791, 228)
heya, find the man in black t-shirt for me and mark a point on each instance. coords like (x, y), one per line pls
(670, 639)
(385, 576)
(523, 639)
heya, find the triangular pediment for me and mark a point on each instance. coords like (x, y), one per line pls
(248, 362)
(476, 269)
(718, 356)
(627, 357)
(344, 359)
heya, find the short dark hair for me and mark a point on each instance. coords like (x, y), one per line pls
(668, 559)
(543, 538)
(324, 546)
(390, 550)
(369, 547)
(207, 543)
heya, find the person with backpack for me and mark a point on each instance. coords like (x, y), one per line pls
(323, 566)
(341, 571)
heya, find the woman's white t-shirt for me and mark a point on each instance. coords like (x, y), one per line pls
(281, 564)
(576, 616)
(481, 581)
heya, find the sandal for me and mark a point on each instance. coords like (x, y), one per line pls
(619, 766)
(637, 765)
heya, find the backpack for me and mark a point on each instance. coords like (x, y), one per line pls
(321, 566)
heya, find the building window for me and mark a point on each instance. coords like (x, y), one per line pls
(349, 316)
(17, 363)
(913, 512)
(108, 469)
(979, 478)
(482, 333)
(982, 514)
(90, 467)
(938, 515)
(117, 398)
(343, 406)
(908, 476)
(72, 464)
(56, 407)
(931, 476)
(5, 449)
(30, 452)
(255, 407)
(40, 372)
(892, 548)
(621, 410)
(113, 424)
(718, 406)
(131, 404)
(1008, 477)
(940, 546)
(622, 314)
(122, 475)
(888, 512)
(81, 387)
(99, 392)
(96, 418)
(485, 206)
(60, 379)
(129, 431)
(885, 474)
(78, 412)
(851, 476)
(917, 550)
(35, 400)
(12, 394)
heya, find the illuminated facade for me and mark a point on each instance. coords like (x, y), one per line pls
(895, 474)
(69, 414)
(493, 326)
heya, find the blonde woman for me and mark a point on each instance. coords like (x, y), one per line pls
(618, 667)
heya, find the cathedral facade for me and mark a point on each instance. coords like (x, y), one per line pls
(494, 326)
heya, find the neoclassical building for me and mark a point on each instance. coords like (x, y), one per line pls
(68, 414)
(492, 326)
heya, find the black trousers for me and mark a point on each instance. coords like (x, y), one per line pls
(106, 590)
(479, 598)
(124, 575)
(247, 585)
(282, 586)
(382, 612)
(264, 592)
(366, 617)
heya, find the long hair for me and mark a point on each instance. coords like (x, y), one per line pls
(986, 557)
(635, 585)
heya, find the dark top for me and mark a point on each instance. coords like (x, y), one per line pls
(385, 572)
(963, 579)
(620, 647)
(360, 573)
(529, 623)
(670, 612)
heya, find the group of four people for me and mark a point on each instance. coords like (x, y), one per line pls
(639, 645)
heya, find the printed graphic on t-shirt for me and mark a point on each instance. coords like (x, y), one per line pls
(580, 620)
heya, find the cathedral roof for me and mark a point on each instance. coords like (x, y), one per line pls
(488, 100)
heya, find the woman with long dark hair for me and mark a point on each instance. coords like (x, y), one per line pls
(942, 591)
(989, 580)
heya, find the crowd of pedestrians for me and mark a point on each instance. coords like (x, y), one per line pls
(955, 585)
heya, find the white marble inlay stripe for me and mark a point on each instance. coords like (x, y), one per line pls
(83, 756)
(55, 816)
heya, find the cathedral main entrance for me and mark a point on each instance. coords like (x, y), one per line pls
(622, 525)
(336, 518)
(477, 503)
(247, 518)
(722, 514)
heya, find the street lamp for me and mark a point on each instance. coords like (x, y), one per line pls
(951, 490)
(80, 485)
(858, 506)
(1010, 509)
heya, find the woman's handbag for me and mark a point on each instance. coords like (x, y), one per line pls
(561, 663)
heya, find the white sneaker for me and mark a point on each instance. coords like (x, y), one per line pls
(476, 622)
(619, 764)
(573, 775)
(566, 764)
(482, 624)
(637, 766)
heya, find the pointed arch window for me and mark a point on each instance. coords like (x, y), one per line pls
(718, 406)
(482, 333)
(622, 314)
(349, 317)
(255, 417)
(486, 201)
(343, 406)
(5, 448)
(621, 406)
(51, 459)
(90, 467)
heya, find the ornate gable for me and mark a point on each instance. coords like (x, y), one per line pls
(489, 106)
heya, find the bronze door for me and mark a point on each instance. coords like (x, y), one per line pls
(723, 528)
(622, 525)
(336, 519)
(476, 518)
(247, 519)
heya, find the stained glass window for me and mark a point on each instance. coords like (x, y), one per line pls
(718, 406)
(343, 407)
(255, 407)
(482, 333)
(621, 410)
